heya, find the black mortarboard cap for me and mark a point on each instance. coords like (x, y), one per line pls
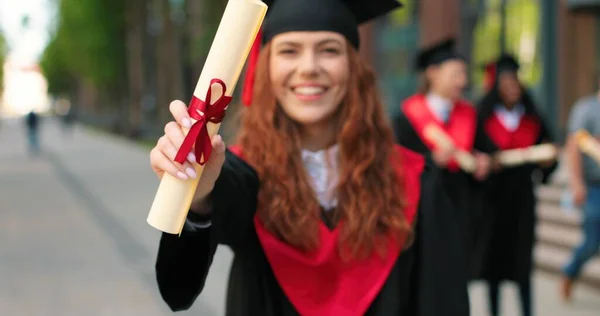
(340, 16)
(437, 54)
(507, 62)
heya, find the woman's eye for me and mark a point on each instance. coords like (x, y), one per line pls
(331, 50)
(287, 52)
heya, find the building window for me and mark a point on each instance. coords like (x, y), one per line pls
(583, 4)
(597, 59)
(397, 40)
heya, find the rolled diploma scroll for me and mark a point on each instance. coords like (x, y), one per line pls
(588, 144)
(230, 48)
(536, 153)
(465, 160)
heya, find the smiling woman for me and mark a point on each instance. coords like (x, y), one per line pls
(310, 74)
(315, 200)
(291, 68)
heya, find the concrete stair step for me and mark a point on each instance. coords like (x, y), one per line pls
(552, 259)
(550, 193)
(558, 232)
(558, 236)
(552, 213)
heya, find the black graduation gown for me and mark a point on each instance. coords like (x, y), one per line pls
(427, 279)
(462, 188)
(504, 249)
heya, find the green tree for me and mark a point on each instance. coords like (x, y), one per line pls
(87, 43)
(522, 30)
(133, 55)
(55, 66)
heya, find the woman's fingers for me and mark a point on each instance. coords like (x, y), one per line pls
(216, 159)
(169, 149)
(162, 160)
(180, 113)
(161, 163)
(212, 169)
(163, 155)
(218, 144)
(175, 134)
(218, 153)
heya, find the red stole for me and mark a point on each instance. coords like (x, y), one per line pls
(319, 283)
(460, 127)
(524, 136)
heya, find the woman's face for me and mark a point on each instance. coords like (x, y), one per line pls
(509, 87)
(449, 78)
(309, 74)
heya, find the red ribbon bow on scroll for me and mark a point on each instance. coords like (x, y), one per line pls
(203, 112)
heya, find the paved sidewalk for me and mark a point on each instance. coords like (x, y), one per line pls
(74, 238)
(73, 232)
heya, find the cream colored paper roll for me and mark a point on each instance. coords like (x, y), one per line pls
(588, 144)
(237, 30)
(438, 136)
(536, 153)
(466, 161)
(511, 157)
(543, 152)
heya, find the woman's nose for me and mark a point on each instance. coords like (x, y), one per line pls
(308, 65)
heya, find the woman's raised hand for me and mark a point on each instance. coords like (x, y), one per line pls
(162, 156)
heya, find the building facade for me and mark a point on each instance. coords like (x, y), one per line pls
(557, 41)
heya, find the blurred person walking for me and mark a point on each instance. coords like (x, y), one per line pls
(32, 123)
(584, 183)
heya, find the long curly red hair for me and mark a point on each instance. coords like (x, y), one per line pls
(369, 191)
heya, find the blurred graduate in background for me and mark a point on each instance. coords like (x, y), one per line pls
(505, 241)
(440, 102)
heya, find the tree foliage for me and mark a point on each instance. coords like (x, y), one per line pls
(522, 37)
(210, 22)
(3, 52)
(55, 66)
(87, 43)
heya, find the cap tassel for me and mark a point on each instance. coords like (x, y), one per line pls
(489, 77)
(248, 89)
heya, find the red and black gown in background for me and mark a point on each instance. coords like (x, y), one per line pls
(271, 278)
(462, 188)
(507, 234)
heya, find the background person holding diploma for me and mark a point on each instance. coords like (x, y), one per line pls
(505, 243)
(325, 215)
(440, 103)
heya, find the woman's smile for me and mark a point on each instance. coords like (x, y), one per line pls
(309, 92)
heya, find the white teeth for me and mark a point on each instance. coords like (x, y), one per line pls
(309, 90)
